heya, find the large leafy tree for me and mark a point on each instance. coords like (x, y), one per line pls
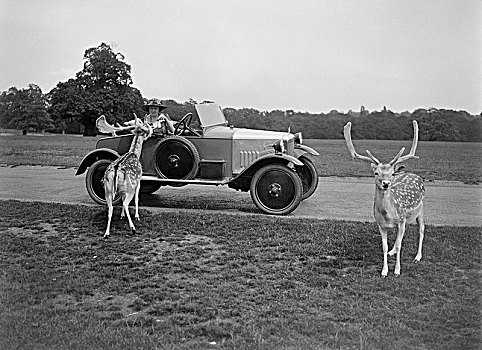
(25, 109)
(8, 101)
(102, 87)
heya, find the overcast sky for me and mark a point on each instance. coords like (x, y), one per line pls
(304, 55)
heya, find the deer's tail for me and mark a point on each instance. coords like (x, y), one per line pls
(120, 182)
(113, 182)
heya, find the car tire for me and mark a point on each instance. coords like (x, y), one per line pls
(176, 158)
(93, 182)
(308, 176)
(149, 187)
(276, 189)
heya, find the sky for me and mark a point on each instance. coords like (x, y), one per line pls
(305, 55)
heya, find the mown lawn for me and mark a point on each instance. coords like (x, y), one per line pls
(208, 281)
(451, 161)
(46, 150)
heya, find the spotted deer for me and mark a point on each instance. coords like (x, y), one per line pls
(123, 175)
(398, 197)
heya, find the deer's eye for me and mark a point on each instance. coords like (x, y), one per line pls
(377, 173)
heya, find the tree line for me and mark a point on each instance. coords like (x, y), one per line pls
(104, 87)
(434, 124)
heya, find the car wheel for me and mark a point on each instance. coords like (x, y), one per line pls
(176, 158)
(308, 176)
(93, 182)
(149, 187)
(276, 189)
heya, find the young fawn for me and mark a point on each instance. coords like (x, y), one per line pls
(398, 197)
(124, 175)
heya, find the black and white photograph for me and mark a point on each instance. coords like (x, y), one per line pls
(221, 174)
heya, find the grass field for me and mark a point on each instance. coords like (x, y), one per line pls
(453, 161)
(210, 281)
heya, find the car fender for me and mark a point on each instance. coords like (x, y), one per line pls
(95, 155)
(302, 149)
(271, 157)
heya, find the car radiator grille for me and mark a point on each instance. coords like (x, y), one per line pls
(247, 157)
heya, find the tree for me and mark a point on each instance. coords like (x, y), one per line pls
(25, 109)
(102, 87)
(8, 102)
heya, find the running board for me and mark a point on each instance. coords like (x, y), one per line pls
(186, 182)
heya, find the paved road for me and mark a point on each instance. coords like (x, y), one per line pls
(336, 198)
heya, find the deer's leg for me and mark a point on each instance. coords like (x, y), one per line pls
(398, 246)
(108, 198)
(136, 199)
(121, 186)
(398, 240)
(110, 210)
(384, 234)
(394, 248)
(128, 197)
(421, 230)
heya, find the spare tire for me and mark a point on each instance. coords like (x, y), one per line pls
(93, 182)
(176, 158)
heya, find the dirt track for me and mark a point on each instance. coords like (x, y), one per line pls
(336, 198)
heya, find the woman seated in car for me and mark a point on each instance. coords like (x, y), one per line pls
(159, 121)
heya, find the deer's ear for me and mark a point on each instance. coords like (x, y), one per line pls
(399, 168)
(374, 166)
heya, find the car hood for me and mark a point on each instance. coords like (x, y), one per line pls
(252, 134)
(243, 134)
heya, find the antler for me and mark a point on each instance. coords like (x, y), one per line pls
(351, 148)
(398, 158)
(106, 128)
(133, 123)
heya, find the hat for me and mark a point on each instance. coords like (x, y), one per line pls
(154, 102)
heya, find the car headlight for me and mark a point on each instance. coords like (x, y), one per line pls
(280, 146)
(299, 138)
(284, 145)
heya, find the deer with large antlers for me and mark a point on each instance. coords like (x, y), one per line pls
(398, 197)
(123, 175)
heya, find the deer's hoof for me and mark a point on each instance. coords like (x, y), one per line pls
(105, 236)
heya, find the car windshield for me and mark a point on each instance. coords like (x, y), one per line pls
(210, 114)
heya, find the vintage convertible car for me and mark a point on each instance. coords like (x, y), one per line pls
(275, 167)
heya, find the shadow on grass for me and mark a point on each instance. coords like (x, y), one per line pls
(234, 201)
